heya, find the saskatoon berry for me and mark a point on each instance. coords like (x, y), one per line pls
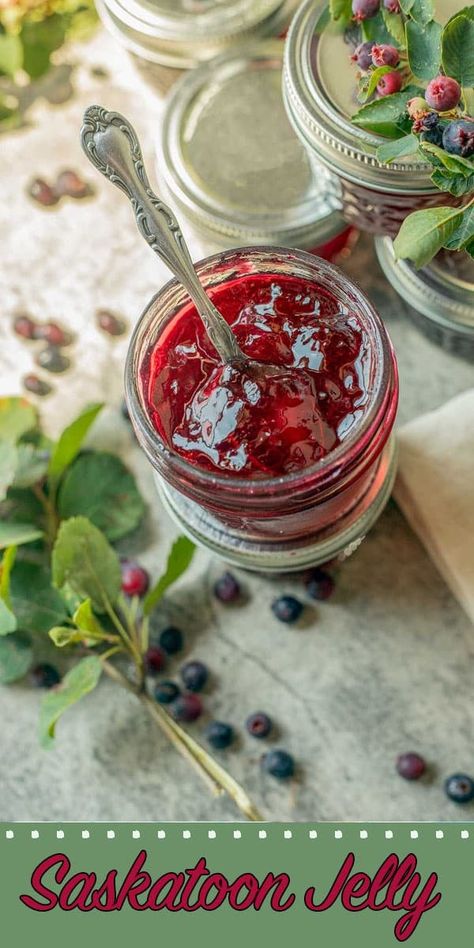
(40, 191)
(171, 640)
(319, 584)
(287, 609)
(384, 55)
(219, 734)
(194, 675)
(71, 184)
(362, 55)
(24, 326)
(389, 83)
(53, 334)
(417, 107)
(166, 692)
(393, 6)
(365, 9)
(45, 676)
(443, 93)
(227, 589)
(458, 138)
(259, 725)
(135, 579)
(279, 764)
(53, 360)
(36, 385)
(110, 323)
(154, 660)
(460, 788)
(186, 708)
(410, 766)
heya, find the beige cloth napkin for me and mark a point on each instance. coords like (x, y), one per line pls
(435, 490)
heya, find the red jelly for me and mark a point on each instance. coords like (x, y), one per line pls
(245, 422)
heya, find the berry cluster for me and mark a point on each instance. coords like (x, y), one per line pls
(369, 56)
(68, 184)
(436, 119)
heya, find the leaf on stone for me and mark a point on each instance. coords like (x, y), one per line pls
(99, 486)
(386, 116)
(399, 148)
(457, 45)
(36, 603)
(11, 54)
(17, 417)
(423, 233)
(17, 534)
(464, 232)
(16, 657)
(85, 561)
(179, 559)
(71, 441)
(32, 464)
(8, 463)
(424, 49)
(78, 682)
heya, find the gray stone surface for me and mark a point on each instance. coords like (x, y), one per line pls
(384, 667)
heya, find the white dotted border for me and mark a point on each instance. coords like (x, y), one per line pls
(262, 834)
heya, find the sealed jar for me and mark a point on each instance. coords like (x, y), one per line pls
(166, 37)
(300, 518)
(320, 95)
(230, 161)
(440, 295)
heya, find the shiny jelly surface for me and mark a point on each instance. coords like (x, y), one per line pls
(245, 422)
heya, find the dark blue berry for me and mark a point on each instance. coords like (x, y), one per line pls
(171, 640)
(154, 660)
(287, 609)
(319, 584)
(434, 136)
(279, 764)
(219, 734)
(166, 692)
(194, 675)
(227, 589)
(458, 138)
(410, 766)
(259, 724)
(460, 788)
(186, 708)
(45, 676)
(135, 579)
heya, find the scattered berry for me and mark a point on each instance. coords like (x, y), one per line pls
(45, 676)
(460, 788)
(362, 55)
(458, 137)
(40, 191)
(171, 640)
(393, 6)
(227, 589)
(365, 9)
(389, 83)
(443, 93)
(194, 675)
(53, 360)
(385, 55)
(135, 579)
(259, 725)
(71, 184)
(410, 766)
(279, 764)
(24, 326)
(186, 708)
(417, 107)
(36, 385)
(219, 734)
(154, 660)
(110, 323)
(319, 584)
(287, 609)
(53, 334)
(166, 692)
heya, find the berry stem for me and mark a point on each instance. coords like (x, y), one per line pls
(51, 515)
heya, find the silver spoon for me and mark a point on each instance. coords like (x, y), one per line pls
(112, 146)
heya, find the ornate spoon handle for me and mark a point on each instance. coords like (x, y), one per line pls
(111, 144)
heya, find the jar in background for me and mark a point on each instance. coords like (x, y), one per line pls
(296, 520)
(229, 160)
(320, 93)
(168, 37)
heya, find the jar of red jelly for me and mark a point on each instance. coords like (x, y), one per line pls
(320, 88)
(229, 160)
(167, 37)
(320, 497)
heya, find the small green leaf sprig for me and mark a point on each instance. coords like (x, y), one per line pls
(61, 507)
(426, 50)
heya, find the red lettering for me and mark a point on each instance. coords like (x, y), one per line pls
(64, 866)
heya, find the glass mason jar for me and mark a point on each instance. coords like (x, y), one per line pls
(257, 184)
(320, 96)
(168, 37)
(296, 520)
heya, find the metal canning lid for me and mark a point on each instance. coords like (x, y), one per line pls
(182, 33)
(320, 95)
(442, 293)
(230, 159)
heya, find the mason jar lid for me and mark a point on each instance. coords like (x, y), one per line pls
(320, 95)
(232, 162)
(442, 293)
(182, 33)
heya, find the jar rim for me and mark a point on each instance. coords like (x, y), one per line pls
(332, 466)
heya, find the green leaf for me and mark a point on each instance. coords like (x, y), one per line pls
(375, 29)
(63, 635)
(464, 232)
(179, 559)
(16, 657)
(340, 9)
(11, 54)
(17, 417)
(17, 534)
(35, 602)
(399, 148)
(385, 116)
(6, 567)
(420, 10)
(457, 49)
(469, 248)
(424, 49)
(32, 464)
(78, 682)
(370, 82)
(395, 26)
(99, 486)
(40, 38)
(454, 163)
(8, 463)
(71, 441)
(86, 621)
(454, 184)
(84, 560)
(8, 622)
(323, 21)
(423, 233)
